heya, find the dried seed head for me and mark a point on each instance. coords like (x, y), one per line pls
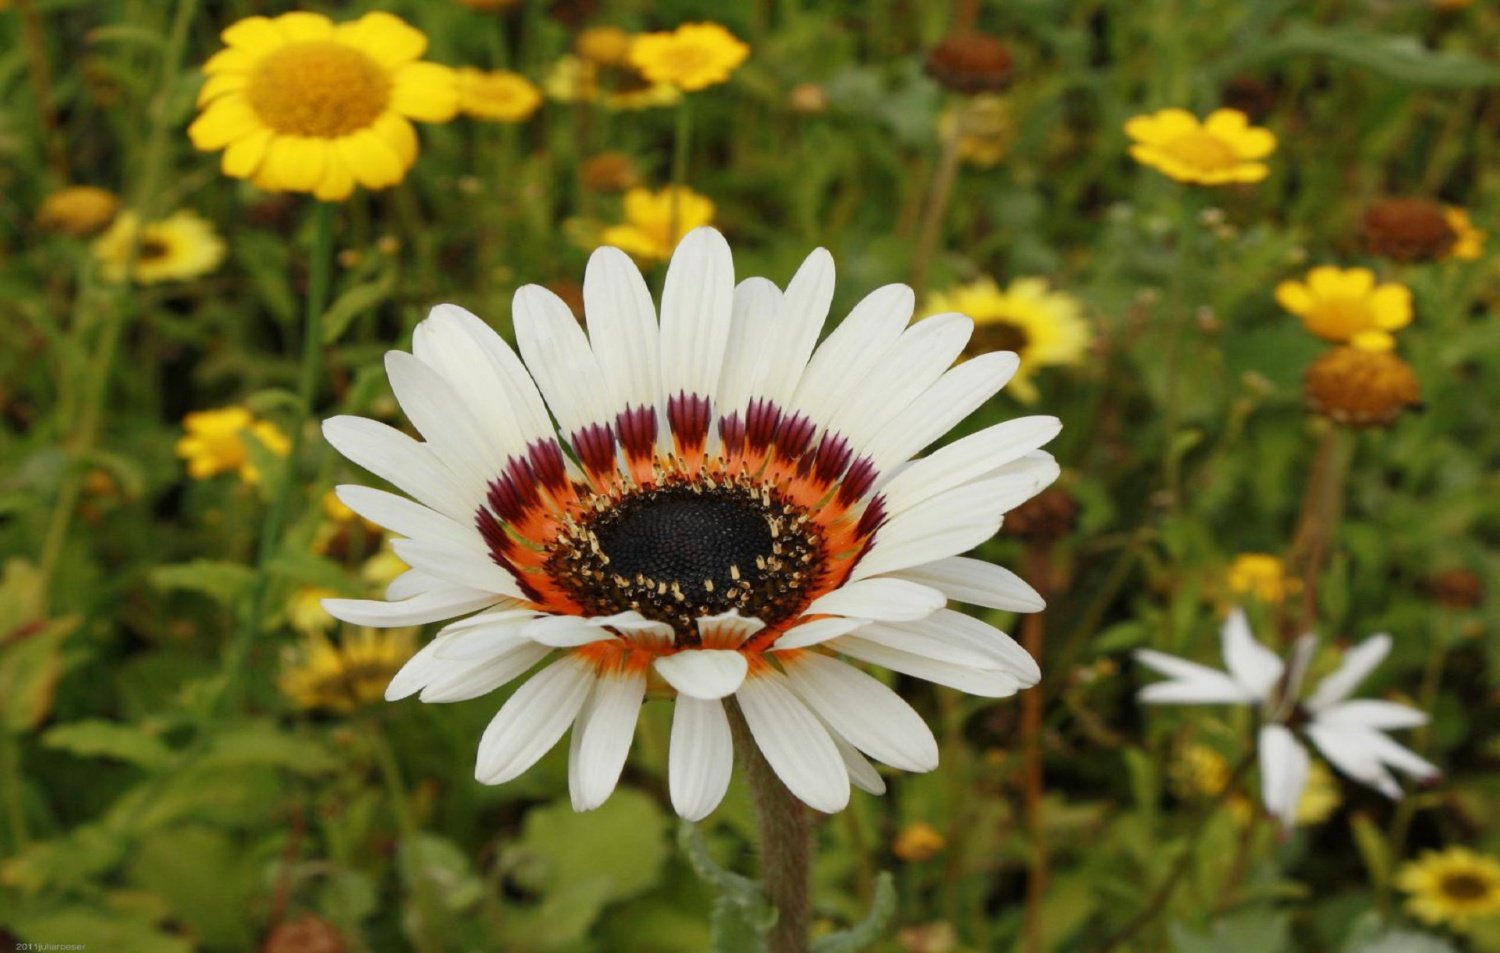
(1408, 230)
(1361, 388)
(970, 63)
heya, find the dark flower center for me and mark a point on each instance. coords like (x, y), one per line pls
(1465, 886)
(1001, 336)
(680, 551)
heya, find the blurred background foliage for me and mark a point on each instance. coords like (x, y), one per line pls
(160, 795)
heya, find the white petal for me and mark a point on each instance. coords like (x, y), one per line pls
(1353, 754)
(1250, 663)
(604, 731)
(1400, 757)
(622, 328)
(969, 458)
(935, 645)
(431, 606)
(417, 671)
(558, 355)
(862, 774)
(845, 359)
(447, 343)
(978, 583)
(406, 464)
(523, 403)
(865, 712)
(443, 418)
(987, 683)
(701, 757)
(1192, 684)
(751, 344)
(795, 743)
(412, 583)
(918, 359)
(943, 526)
(817, 631)
(405, 517)
(727, 630)
(696, 302)
(879, 599)
(705, 674)
(483, 641)
(565, 631)
(532, 720)
(461, 681)
(800, 315)
(1283, 772)
(1358, 663)
(456, 565)
(973, 636)
(1372, 714)
(957, 394)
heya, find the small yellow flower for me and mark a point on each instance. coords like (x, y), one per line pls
(301, 104)
(215, 442)
(918, 841)
(984, 129)
(177, 248)
(335, 510)
(318, 674)
(573, 79)
(1262, 575)
(1470, 242)
(78, 210)
(305, 612)
(1320, 798)
(1454, 886)
(692, 57)
(1198, 771)
(647, 234)
(500, 95)
(605, 45)
(381, 569)
(1045, 328)
(1222, 149)
(1347, 306)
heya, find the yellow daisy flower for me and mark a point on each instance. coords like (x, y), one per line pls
(1262, 575)
(498, 95)
(647, 234)
(918, 841)
(1454, 886)
(1346, 305)
(605, 45)
(215, 442)
(692, 57)
(573, 79)
(78, 210)
(305, 612)
(1470, 242)
(319, 674)
(301, 104)
(177, 248)
(1044, 327)
(985, 129)
(1221, 149)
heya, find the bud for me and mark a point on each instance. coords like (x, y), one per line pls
(918, 841)
(808, 99)
(610, 172)
(1456, 589)
(78, 210)
(1361, 388)
(970, 63)
(605, 45)
(1408, 230)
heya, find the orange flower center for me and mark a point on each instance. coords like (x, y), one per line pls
(318, 89)
(1201, 150)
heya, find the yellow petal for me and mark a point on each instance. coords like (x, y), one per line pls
(1358, 282)
(425, 91)
(222, 84)
(386, 39)
(337, 182)
(296, 163)
(1325, 281)
(1255, 143)
(300, 26)
(244, 155)
(373, 163)
(225, 120)
(1226, 123)
(1392, 306)
(397, 132)
(230, 60)
(1294, 296)
(253, 34)
(1378, 341)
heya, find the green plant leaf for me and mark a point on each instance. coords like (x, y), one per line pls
(868, 930)
(355, 302)
(223, 582)
(95, 738)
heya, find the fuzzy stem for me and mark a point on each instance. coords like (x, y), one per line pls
(785, 842)
(34, 40)
(938, 195)
(1322, 506)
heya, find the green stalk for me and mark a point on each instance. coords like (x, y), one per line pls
(320, 269)
(426, 939)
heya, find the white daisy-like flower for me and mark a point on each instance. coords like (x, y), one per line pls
(724, 507)
(1349, 733)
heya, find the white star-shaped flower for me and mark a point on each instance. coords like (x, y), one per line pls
(1349, 733)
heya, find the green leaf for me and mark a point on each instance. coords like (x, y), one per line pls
(31, 662)
(223, 582)
(1373, 849)
(1248, 931)
(868, 930)
(262, 744)
(205, 877)
(94, 738)
(1398, 57)
(355, 302)
(89, 928)
(444, 869)
(742, 915)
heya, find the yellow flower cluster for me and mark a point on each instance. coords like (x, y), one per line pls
(656, 221)
(179, 247)
(321, 675)
(1222, 149)
(216, 442)
(1262, 576)
(1348, 306)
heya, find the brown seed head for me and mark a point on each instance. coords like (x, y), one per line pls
(610, 172)
(970, 63)
(1360, 388)
(1407, 230)
(1456, 589)
(1045, 518)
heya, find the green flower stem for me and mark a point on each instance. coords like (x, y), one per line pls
(1168, 886)
(938, 194)
(1322, 507)
(1178, 321)
(785, 843)
(426, 939)
(15, 806)
(95, 386)
(253, 611)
